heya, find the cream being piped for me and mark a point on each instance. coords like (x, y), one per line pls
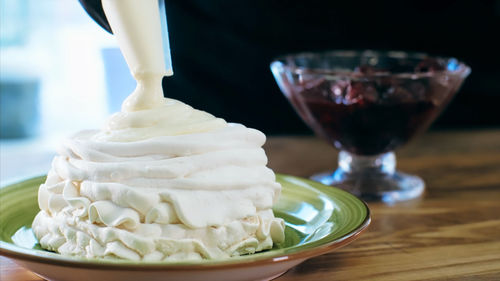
(137, 28)
(161, 181)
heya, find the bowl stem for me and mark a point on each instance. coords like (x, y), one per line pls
(373, 178)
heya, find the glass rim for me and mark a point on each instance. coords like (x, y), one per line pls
(462, 70)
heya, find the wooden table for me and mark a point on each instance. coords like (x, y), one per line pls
(452, 233)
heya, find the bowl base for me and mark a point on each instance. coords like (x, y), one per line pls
(373, 178)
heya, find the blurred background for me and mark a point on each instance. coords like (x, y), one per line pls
(223, 49)
(52, 80)
(60, 72)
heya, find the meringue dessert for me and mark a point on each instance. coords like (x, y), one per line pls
(161, 181)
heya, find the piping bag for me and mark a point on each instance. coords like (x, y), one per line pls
(96, 12)
(140, 27)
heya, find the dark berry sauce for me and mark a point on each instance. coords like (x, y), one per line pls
(370, 114)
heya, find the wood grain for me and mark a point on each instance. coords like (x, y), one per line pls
(451, 233)
(9, 271)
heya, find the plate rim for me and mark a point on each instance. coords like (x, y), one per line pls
(29, 255)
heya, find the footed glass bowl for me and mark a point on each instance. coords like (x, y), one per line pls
(366, 104)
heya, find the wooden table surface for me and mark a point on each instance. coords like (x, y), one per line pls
(451, 233)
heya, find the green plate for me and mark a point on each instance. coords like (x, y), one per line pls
(318, 219)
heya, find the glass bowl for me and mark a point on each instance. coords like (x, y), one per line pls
(366, 104)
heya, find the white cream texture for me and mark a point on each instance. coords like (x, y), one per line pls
(161, 181)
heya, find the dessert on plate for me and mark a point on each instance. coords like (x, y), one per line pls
(176, 183)
(161, 181)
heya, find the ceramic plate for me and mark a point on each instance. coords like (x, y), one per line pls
(318, 219)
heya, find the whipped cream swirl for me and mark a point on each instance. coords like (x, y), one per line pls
(166, 183)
